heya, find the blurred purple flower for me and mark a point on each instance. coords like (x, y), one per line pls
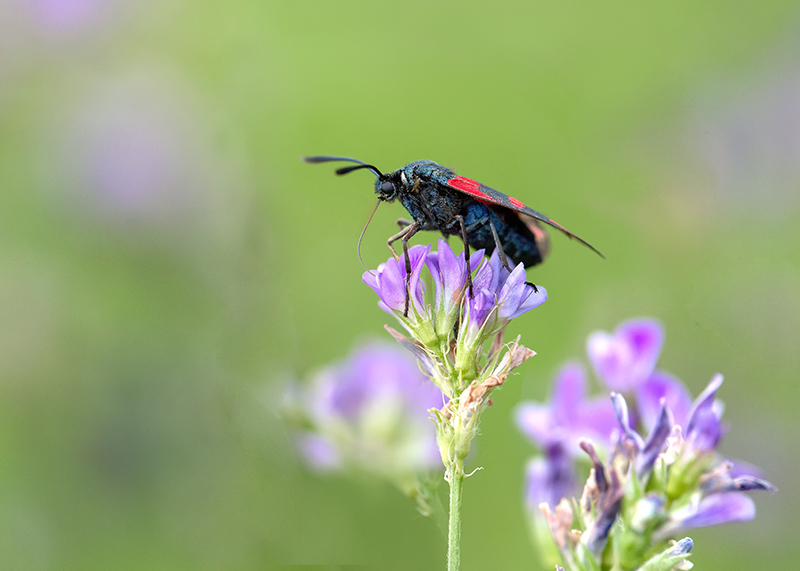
(700, 420)
(716, 509)
(549, 478)
(389, 281)
(69, 17)
(370, 410)
(661, 385)
(704, 426)
(626, 358)
(724, 478)
(135, 152)
(568, 417)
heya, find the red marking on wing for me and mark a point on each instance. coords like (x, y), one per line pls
(516, 203)
(468, 186)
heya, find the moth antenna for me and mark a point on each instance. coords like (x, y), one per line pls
(360, 238)
(344, 170)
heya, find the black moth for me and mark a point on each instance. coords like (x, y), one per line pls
(438, 199)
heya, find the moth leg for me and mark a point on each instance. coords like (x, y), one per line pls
(409, 230)
(399, 235)
(460, 219)
(403, 222)
(500, 252)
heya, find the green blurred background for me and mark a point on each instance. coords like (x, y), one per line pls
(167, 262)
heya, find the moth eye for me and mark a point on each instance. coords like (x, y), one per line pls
(387, 186)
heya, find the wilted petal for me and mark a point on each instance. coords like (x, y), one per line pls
(425, 361)
(609, 502)
(626, 358)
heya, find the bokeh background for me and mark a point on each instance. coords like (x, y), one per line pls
(167, 262)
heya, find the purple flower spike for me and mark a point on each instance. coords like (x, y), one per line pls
(626, 358)
(569, 416)
(389, 281)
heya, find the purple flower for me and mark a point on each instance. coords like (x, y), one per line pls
(717, 509)
(68, 18)
(495, 287)
(568, 417)
(704, 427)
(701, 421)
(371, 410)
(661, 385)
(626, 358)
(389, 282)
(449, 272)
(549, 478)
(724, 479)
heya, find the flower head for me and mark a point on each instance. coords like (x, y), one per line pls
(456, 332)
(662, 475)
(371, 412)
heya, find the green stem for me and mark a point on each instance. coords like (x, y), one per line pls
(454, 531)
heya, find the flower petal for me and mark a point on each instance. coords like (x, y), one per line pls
(662, 385)
(549, 478)
(704, 427)
(569, 390)
(716, 509)
(534, 420)
(626, 358)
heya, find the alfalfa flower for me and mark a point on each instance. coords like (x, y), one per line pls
(456, 333)
(368, 413)
(661, 474)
